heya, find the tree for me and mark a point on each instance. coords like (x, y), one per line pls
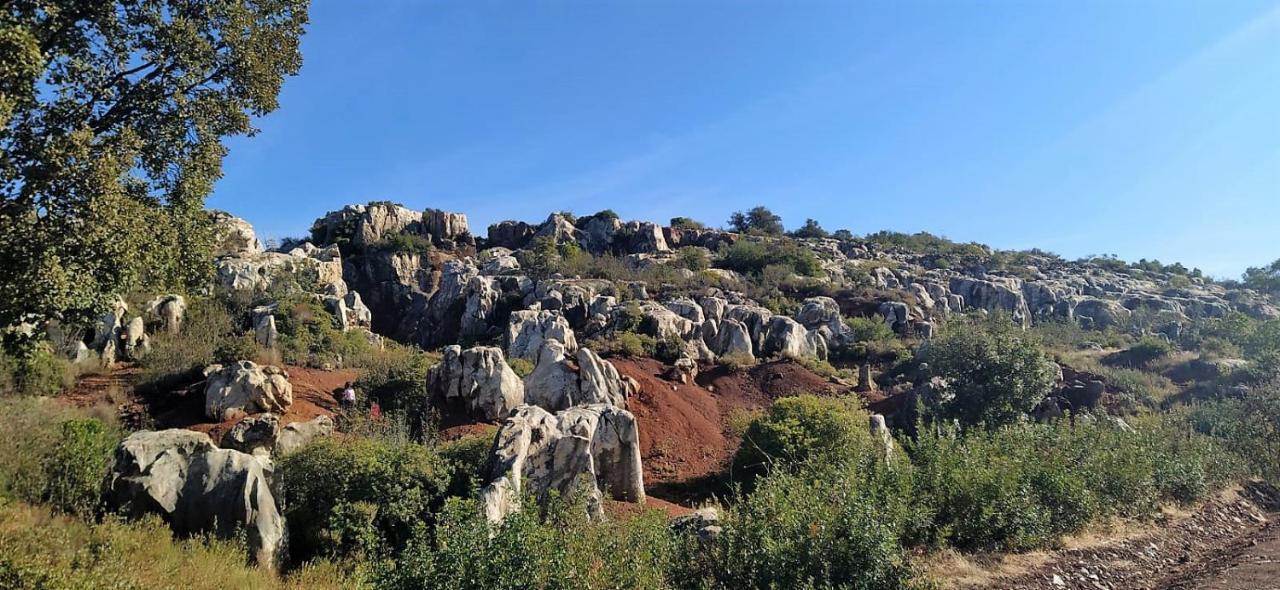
(687, 223)
(810, 229)
(1265, 279)
(993, 372)
(112, 121)
(758, 220)
(843, 235)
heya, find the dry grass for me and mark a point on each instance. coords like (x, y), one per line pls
(39, 549)
(983, 570)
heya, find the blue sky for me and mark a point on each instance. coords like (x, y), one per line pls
(1147, 129)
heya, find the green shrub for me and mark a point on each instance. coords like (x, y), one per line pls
(752, 257)
(521, 366)
(834, 525)
(869, 329)
(468, 460)
(625, 343)
(360, 497)
(1249, 425)
(994, 371)
(396, 378)
(686, 223)
(1024, 486)
(76, 467)
(208, 326)
(564, 550)
(39, 372)
(693, 258)
(309, 335)
(45, 550)
(33, 427)
(737, 361)
(405, 242)
(799, 429)
(1143, 353)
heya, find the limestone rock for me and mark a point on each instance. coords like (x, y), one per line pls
(198, 488)
(787, 338)
(166, 313)
(537, 452)
(479, 378)
(245, 388)
(233, 236)
(255, 435)
(528, 330)
(299, 434)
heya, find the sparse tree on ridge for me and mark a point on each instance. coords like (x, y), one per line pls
(810, 229)
(757, 220)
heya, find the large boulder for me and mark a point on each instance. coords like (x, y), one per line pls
(528, 330)
(166, 313)
(448, 230)
(536, 453)
(510, 234)
(245, 387)
(995, 294)
(556, 384)
(785, 337)
(198, 489)
(233, 236)
(1098, 313)
(255, 435)
(479, 378)
(732, 338)
(299, 434)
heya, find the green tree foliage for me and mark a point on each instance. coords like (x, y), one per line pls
(810, 229)
(994, 371)
(801, 429)
(1264, 278)
(112, 121)
(77, 465)
(360, 497)
(843, 235)
(753, 257)
(687, 223)
(757, 220)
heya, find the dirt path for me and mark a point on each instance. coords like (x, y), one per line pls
(1230, 543)
(1250, 564)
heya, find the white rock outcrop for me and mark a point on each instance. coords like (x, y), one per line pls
(245, 387)
(537, 452)
(478, 377)
(198, 488)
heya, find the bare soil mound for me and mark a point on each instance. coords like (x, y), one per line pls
(686, 441)
(314, 394)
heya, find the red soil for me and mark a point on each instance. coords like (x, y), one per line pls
(685, 437)
(314, 394)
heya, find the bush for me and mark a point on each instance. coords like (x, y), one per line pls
(1025, 486)
(1143, 353)
(44, 550)
(76, 467)
(468, 460)
(360, 497)
(1249, 425)
(208, 326)
(825, 526)
(309, 335)
(994, 372)
(800, 429)
(737, 361)
(752, 257)
(39, 372)
(627, 344)
(870, 329)
(405, 242)
(521, 366)
(693, 258)
(564, 550)
(686, 223)
(397, 380)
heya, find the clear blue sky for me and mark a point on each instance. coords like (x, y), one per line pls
(1141, 128)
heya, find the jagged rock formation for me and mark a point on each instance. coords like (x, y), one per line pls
(166, 313)
(480, 379)
(528, 332)
(537, 452)
(198, 488)
(555, 384)
(245, 387)
(261, 435)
